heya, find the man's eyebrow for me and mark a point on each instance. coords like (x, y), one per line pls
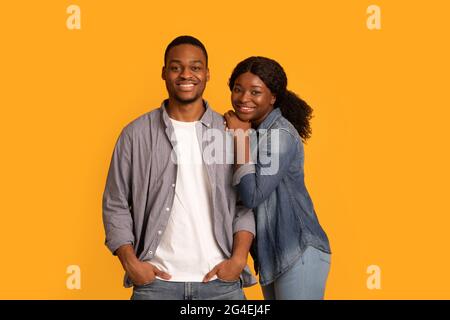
(179, 61)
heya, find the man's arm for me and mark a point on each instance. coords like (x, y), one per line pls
(242, 241)
(117, 218)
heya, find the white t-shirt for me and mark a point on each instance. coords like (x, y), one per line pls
(188, 249)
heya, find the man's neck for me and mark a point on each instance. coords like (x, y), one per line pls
(185, 112)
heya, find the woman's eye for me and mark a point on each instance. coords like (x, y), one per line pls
(255, 93)
(236, 90)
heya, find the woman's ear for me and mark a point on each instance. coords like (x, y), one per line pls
(272, 101)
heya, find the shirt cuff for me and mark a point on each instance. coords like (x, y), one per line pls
(116, 244)
(245, 221)
(243, 170)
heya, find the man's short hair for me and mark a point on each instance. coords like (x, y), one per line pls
(185, 40)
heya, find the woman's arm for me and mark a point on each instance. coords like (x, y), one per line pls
(276, 151)
(255, 182)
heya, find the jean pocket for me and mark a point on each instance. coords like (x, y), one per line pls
(228, 281)
(145, 285)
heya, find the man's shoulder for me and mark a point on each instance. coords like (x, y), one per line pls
(217, 119)
(143, 122)
(217, 116)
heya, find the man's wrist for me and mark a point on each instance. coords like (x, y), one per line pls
(240, 261)
(129, 264)
(127, 257)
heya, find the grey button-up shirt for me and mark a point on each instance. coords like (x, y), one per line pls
(140, 187)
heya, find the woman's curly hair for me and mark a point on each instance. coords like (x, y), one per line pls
(292, 107)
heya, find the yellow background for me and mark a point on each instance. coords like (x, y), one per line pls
(376, 166)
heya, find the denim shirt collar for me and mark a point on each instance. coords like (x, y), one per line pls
(206, 118)
(270, 119)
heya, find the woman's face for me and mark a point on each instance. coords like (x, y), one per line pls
(251, 98)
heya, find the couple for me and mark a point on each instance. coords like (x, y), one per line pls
(184, 229)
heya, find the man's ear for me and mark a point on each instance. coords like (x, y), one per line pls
(207, 74)
(163, 73)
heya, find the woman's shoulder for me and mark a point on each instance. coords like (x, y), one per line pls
(287, 129)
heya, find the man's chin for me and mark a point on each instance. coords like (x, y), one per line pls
(183, 100)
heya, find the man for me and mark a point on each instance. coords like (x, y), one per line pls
(170, 212)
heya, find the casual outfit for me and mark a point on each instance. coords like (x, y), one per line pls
(291, 250)
(174, 202)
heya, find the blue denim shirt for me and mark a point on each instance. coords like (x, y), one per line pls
(286, 221)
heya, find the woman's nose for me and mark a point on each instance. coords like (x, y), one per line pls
(243, 97)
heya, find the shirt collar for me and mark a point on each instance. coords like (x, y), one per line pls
(270, 119)
(206, 118)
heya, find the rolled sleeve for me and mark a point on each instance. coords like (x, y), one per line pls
(243, 170)
(244, 220)
(116, 243)
(117, 217)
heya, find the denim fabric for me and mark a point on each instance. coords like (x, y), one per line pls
(286, 222)
(305, 280)
(168, 290)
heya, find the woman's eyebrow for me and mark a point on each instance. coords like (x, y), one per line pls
(254, 86)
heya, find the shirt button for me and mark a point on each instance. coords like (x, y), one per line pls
(150, 252)
(173, 185)
(167, 209)
(159, 232)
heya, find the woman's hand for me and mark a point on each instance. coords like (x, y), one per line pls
(234, 123)
(240, 130)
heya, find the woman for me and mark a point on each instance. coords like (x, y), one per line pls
(291, 251)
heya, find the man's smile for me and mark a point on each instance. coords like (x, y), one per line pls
(186, 86)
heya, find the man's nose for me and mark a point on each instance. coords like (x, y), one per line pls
(185, 73)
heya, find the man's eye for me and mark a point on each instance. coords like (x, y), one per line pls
(196, 68)
(174, 68)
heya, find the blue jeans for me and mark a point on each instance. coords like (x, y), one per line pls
(168, 290)
(305, 280)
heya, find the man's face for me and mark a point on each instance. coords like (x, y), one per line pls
(185, 73)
